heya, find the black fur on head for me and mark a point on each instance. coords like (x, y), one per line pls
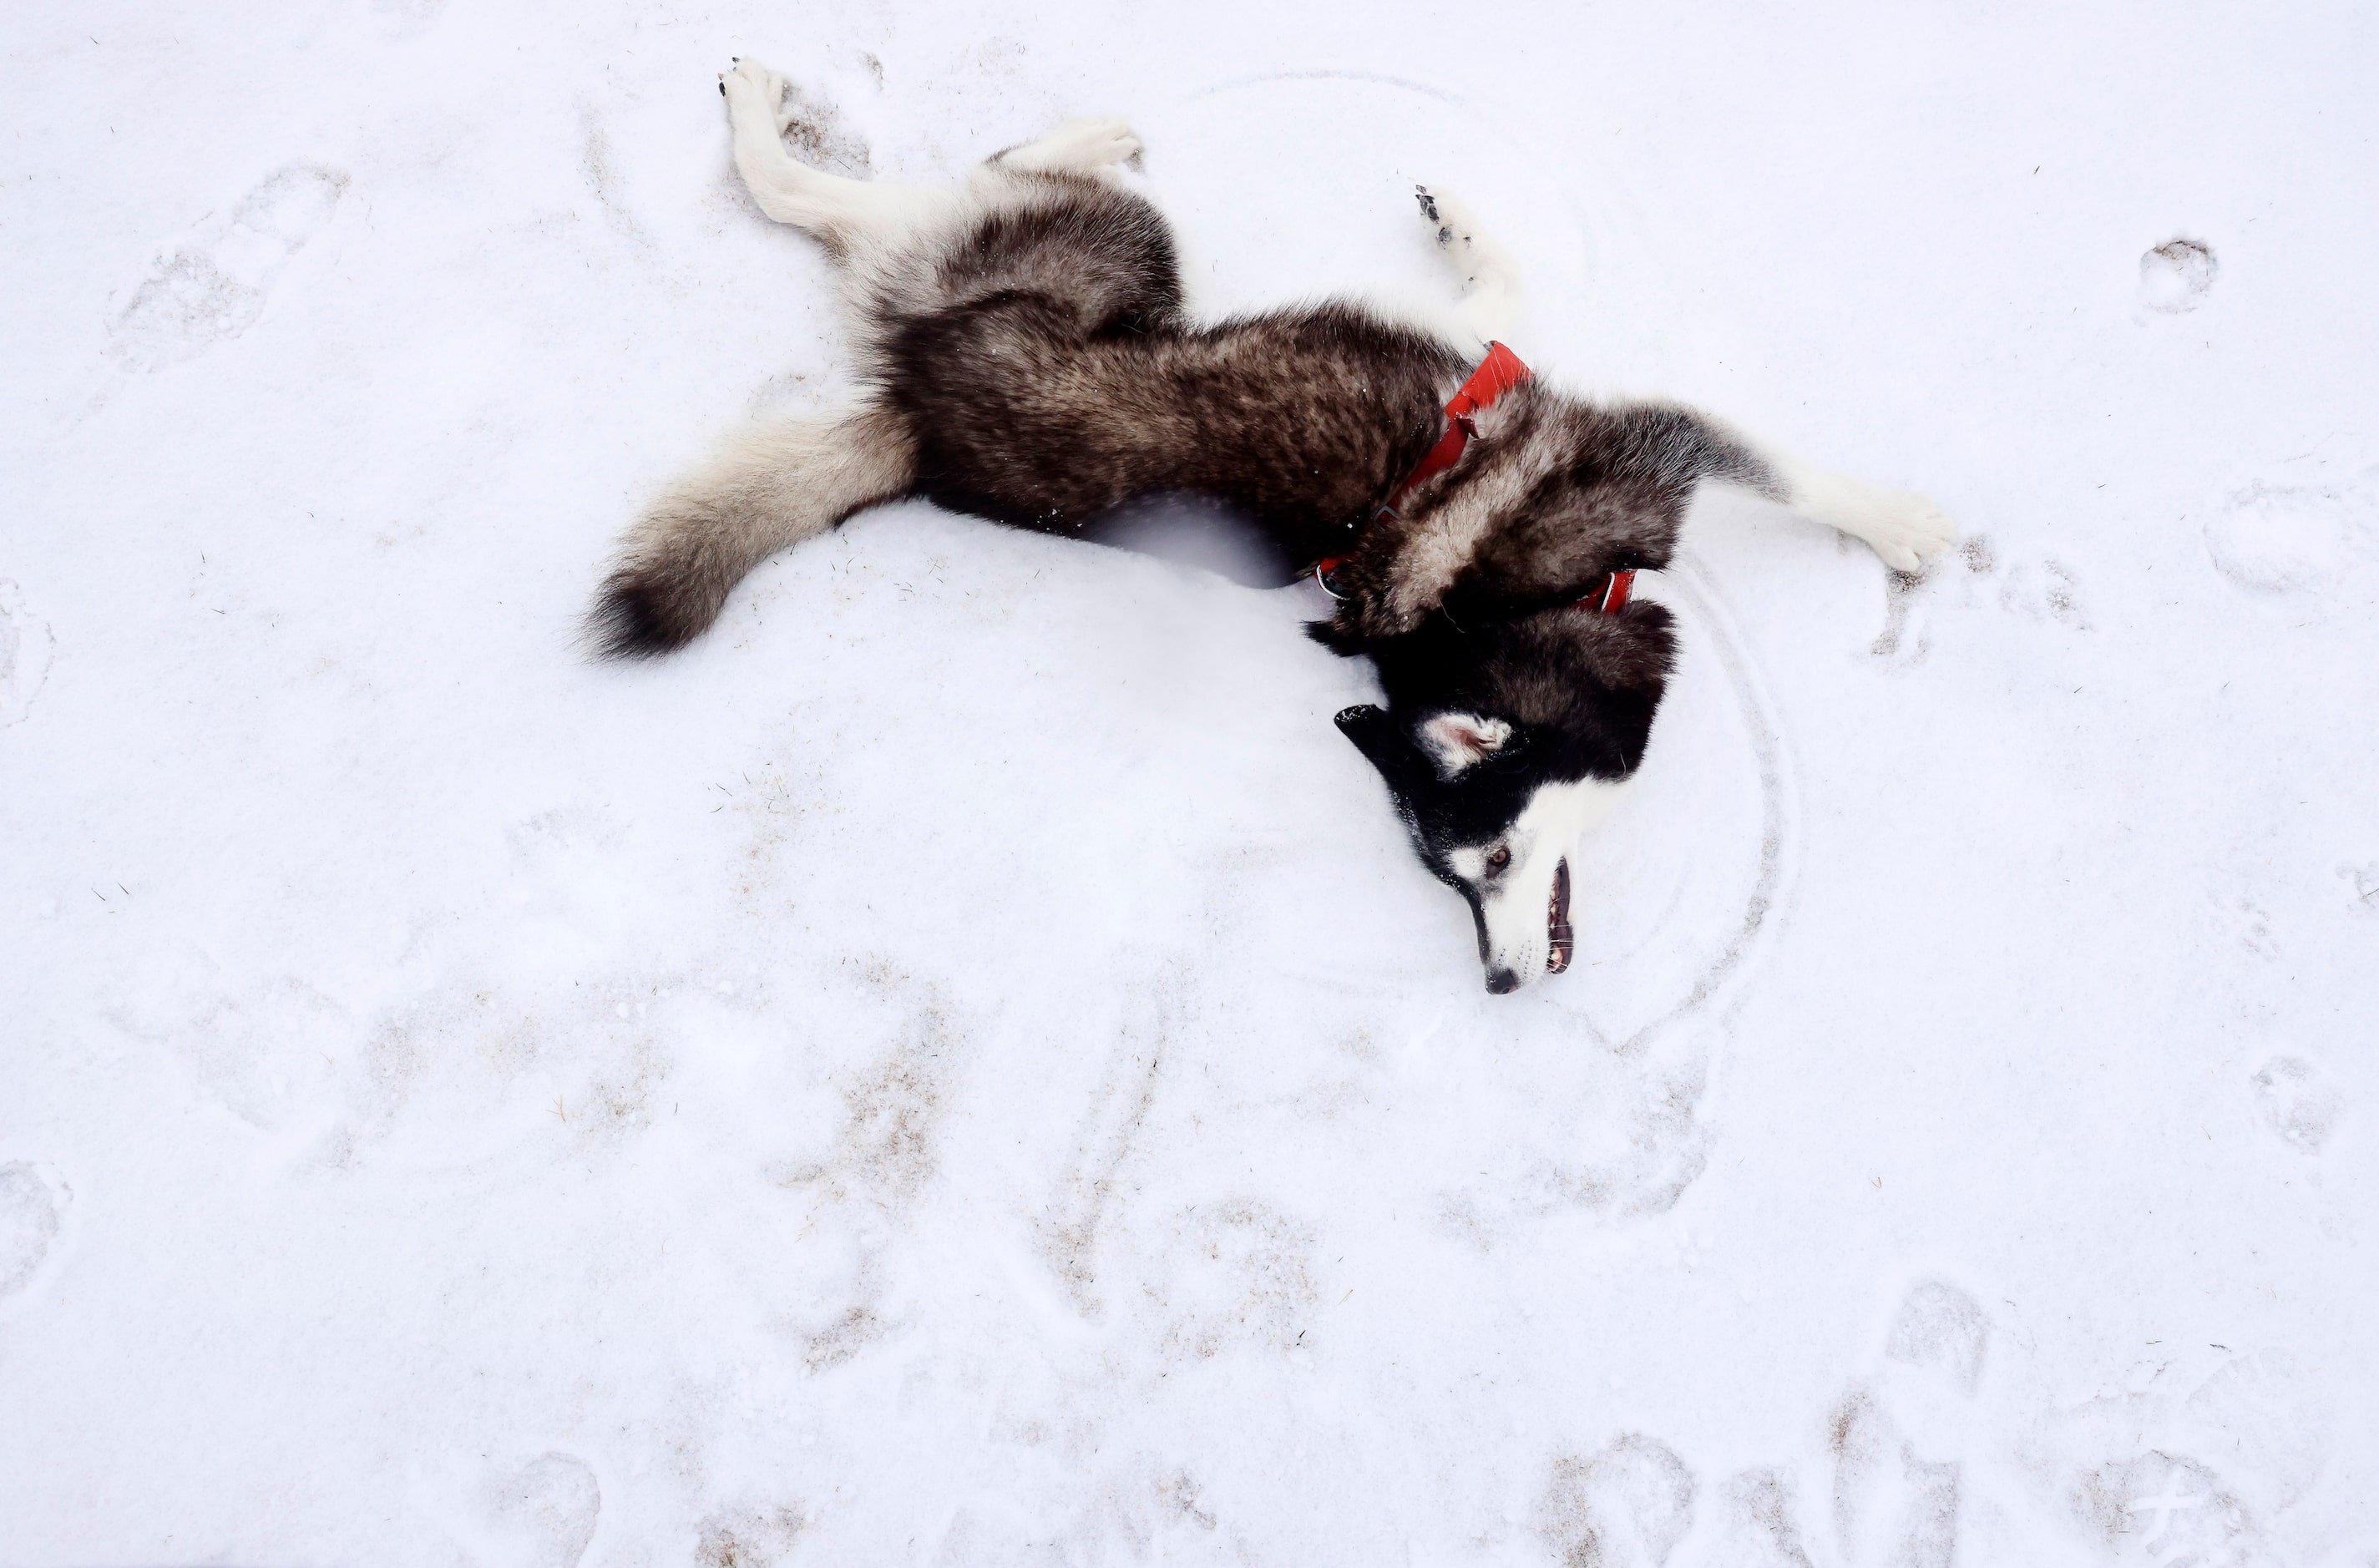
(1576, 688)
(1443, 814)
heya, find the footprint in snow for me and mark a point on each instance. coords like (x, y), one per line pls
(1238, 1273)
(759, 1538)
(26, 647)
(543, 1514)
(1941, 1326)
(1625, 1507)
(213, 283)
(1897, 1477)
(2296, 1103)
(1892, 1505)
(1760, 1532)
(2272, 1420)
(29, 1208)
(2169, 1510)
(2174, 276)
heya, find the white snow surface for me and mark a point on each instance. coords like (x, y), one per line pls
(959, 1065)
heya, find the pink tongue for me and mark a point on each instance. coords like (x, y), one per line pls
(1557, 923)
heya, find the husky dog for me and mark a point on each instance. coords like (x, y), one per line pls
(1027, 356)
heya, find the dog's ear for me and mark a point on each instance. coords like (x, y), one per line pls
(1455, 742)
(1376, 736)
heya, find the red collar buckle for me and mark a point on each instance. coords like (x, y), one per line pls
(1611, 595)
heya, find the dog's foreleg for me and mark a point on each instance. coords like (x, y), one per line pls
(1488, 276)
(775, 484)
(846, 214)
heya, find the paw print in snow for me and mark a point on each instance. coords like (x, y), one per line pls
(2174, 276)
(2044, 592)
(2296, 1103)
(2253, 926)
(2274, 540)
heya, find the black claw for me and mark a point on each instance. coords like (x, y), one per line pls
(722, 89)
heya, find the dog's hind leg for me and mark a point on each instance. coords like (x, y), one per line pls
(1902, 527)
(847, 214)
(1488, 277)
(775, 484)
(1077, 147)
(1677, 444)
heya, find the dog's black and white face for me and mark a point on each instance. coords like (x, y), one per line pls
(1502, 745)
(1490, 823)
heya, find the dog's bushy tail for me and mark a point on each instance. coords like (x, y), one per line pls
(775, 484)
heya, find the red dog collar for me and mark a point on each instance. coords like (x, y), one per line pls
(1497, 374)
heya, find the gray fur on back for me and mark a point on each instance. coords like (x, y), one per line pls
(1028, 359)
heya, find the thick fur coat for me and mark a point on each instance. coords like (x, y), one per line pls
(1027, 356)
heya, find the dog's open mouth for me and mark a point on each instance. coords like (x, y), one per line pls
(1557, 923)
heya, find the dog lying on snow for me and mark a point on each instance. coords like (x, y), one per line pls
(1028, 360)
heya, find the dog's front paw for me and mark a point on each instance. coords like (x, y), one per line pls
(1905, 529)
(752, 89)
(1450, 222)
(1440, 212)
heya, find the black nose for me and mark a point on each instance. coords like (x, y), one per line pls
(1503, 982)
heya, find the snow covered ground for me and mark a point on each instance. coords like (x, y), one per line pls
(959, 1065)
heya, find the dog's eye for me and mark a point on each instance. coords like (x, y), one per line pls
(1499, 858)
